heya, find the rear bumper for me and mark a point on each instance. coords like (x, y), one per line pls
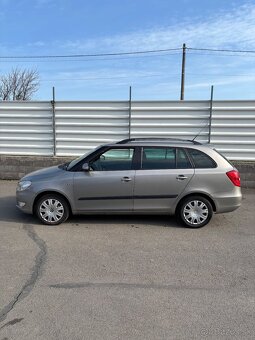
(227, 204)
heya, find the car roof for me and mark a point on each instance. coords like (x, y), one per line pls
(158, 142)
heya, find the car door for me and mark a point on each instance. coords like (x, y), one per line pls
(163, 175)
(109, 184)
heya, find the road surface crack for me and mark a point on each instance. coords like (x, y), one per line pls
(35, 274)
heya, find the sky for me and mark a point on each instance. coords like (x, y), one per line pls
(71, 27)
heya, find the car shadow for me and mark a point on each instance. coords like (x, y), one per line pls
(10, 213)
(132, 220)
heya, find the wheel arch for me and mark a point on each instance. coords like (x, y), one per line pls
(47, 192)
(197, 194)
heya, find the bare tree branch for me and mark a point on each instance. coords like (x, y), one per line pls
(19, 85)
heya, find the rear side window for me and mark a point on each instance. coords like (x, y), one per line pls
(158, 158)
(201, 160)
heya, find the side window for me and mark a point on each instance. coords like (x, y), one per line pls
(201, 160)
(182, 160)
(113, 159)
(158, 158)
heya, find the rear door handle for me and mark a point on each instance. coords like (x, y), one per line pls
(126, 179)
(181, 177)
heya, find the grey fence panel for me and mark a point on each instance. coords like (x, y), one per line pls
(233, 129)
(175, 119)
(26, 128)
(81, 126)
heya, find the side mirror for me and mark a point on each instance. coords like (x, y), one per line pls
(86, 167)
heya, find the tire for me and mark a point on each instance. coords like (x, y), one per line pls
(52, 209)
(195, 212)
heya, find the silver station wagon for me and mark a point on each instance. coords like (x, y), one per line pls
(135, 176)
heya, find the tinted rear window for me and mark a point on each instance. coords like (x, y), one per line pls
(164, 158)
(158, 158)
(201, 160)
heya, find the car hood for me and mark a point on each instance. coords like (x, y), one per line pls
(46, 173)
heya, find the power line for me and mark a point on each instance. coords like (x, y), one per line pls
(111, 77)
(220, 54)
(19, 59)
(163, 75)
(219, 50)
(130, 55)
(88, 55)
(219, 75)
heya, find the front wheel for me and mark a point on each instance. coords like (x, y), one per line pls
(52, 209)
(195, 212)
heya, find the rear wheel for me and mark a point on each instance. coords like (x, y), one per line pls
(52, 209)
(195, 211)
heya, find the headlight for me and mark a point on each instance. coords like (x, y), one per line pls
(23, 185)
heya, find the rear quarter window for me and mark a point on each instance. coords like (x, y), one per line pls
(201, 160)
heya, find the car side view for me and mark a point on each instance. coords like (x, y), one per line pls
(135, 176)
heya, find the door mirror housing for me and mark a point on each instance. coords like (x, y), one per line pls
(86, 167)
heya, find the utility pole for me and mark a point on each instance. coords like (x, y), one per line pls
(183, 71)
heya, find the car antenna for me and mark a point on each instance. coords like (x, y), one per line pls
(199, 132)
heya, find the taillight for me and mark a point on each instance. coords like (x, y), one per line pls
(234, 176)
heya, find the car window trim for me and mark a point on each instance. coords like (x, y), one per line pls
(213, 161)
(117, 147)
(188, 158)
(78, 166)
(156, 147)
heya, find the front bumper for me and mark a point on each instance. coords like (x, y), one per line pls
(25, 201)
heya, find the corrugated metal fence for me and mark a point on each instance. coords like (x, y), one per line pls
(72, 128)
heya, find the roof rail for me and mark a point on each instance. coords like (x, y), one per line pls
(124, 141)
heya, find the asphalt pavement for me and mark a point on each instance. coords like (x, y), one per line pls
(126, 277)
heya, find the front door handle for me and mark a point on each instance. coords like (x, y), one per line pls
(126, 179)
(181, 177)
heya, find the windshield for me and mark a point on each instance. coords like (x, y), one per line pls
(77, 160)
